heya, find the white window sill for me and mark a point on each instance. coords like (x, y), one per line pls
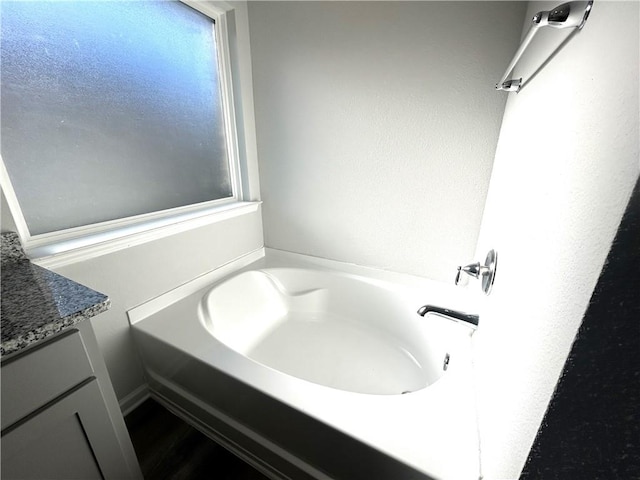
(67, 251)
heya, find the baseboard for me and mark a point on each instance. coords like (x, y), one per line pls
(131, 401)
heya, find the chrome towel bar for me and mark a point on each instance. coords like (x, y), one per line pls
(567, 15)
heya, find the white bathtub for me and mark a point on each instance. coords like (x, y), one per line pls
(308, 371)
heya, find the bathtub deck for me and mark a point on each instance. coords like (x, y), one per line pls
(169, 448)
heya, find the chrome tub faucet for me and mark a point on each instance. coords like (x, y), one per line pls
(450, 314)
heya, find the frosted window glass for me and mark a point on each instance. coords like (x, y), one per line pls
(109, 110)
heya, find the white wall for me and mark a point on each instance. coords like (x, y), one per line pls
(139, 273)
(8, 225)
(566, 162)
(377, 124)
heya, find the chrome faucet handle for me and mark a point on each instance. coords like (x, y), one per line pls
(473, 269)
(486, 271)
(457, 280)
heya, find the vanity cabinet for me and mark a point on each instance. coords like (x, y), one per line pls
(60, 416)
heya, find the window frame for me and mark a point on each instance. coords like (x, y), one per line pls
(90, 240)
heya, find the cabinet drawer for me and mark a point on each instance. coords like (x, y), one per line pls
(42, 374)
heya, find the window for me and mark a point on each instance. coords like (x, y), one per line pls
(114, 110)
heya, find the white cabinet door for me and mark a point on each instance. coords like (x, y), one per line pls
(72, 437)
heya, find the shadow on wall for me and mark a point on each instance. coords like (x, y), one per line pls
(592, 425)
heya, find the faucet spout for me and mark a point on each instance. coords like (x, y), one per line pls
(451, 314)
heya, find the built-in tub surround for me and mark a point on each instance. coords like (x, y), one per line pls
(284, 352)
(38, 303)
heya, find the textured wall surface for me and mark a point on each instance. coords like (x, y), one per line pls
(377, 124)
(565, 166)
(592, 426)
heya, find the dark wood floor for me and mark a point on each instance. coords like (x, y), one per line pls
(169, 448)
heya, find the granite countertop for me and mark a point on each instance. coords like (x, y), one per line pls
(37, 303)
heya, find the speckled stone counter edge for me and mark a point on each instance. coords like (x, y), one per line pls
(37, 334)
(10, 248)
(11, 251)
